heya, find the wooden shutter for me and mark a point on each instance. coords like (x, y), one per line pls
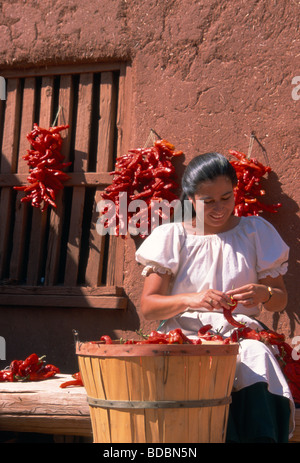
(57, 258)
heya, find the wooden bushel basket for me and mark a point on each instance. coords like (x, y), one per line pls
(162, 393)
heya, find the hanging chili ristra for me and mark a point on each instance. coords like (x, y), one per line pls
(45, 166)
(248, 190)
(143, 173)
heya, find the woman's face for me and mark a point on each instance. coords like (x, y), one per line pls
(218, 198)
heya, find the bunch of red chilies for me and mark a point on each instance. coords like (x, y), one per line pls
(45, 166)
(33, 368)
(289, 366)
(248, 191)
(143, 173)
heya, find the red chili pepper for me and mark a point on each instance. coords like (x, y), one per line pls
(217, 337)
(30, 364)
(204, 329)
(106, 339)
(271, 337)
(228, 314)
(176, 336)
(158, 338)
(77, 381)
(196, 341)
(14, 366)
(6, 375)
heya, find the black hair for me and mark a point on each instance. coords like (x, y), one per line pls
(204, 167)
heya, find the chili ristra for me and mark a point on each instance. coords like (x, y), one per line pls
(143, 173)
(45, 162)
(248, 191)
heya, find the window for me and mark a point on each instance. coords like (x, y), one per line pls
(56, 258)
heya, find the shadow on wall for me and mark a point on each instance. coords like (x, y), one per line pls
(287, 223)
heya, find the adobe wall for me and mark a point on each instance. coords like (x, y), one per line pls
(205, 74)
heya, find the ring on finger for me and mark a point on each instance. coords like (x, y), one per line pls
(211, 302)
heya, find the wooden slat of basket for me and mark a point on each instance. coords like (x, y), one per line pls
(193, 393)
(86, 374)
(175, 389)
(65, 101)
(135, 388)
(205, 388)
(92, 380)
(100, 416)
(21, 212)
(82, 140)
(39, 218)
(151, 375)
(115, 387)
(218, 413)
(8, 163)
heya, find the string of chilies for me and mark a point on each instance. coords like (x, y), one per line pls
(248, 191)
(45, 166)
(143, 173)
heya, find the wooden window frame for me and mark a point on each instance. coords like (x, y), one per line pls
(14, 171)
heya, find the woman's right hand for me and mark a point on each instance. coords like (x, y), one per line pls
(158, 304)
(210, 299)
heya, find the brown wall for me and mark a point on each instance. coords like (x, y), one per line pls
(204, 75)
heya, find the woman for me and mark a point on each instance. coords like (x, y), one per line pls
(190, 275)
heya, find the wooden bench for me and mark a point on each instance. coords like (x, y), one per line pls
(46, 408)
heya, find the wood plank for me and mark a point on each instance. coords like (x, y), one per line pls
(107, 112)
(44, 407)
(48, 424)
(96, 302)
(8, 163)
(61, 69)
(39, 218)
(26, 290)
(66, 100)
(115, 267)
(77, 179)
(82, 141)
(21, 211)
(104, 163)
(94, 266)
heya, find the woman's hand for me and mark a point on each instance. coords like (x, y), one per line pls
(158, 304)
(250, 295)
(257, 293)
(210, 299)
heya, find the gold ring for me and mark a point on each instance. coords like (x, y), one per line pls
(211, 302)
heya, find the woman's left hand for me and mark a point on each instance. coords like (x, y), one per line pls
(249, 295)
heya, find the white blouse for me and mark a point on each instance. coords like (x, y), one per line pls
(248, 252)
(245, 254)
